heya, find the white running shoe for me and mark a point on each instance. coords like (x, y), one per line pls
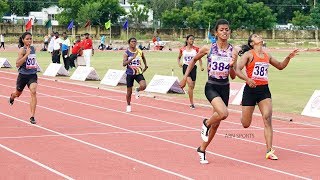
(136, 93)
(128, 108)
(202, 155)
(205, 131)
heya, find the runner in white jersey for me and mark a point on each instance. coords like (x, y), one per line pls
(187, 53)
(221, 58)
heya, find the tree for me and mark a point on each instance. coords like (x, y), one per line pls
(23, 7)
(4, 7)
(138, 14)
(174, 19)
(284, 9)
(232, 10)
(159, 7)
(85, 13)
(300, 20)
(315, 15)
(259, 16)
(97, 11)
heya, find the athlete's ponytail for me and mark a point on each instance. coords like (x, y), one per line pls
(246, 47)
(190, 35)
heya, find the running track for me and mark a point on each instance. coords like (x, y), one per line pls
(84, 133)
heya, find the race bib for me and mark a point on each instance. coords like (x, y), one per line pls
(135, 62)
(219, 67)
(260, 71)
(31, 62)
(187, 59)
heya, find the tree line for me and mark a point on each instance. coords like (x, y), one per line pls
(246, 14)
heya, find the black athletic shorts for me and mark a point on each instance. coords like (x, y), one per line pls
(131, 78)
(26, 79)
(252, 96)
(192, 74)
(213, 90)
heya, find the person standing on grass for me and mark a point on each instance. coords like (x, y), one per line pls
(132, 60)
(256, 91)
(187, 53)
(56, 48)
(87, 49)
(65, 47)
(2, 41)
(27, 64)
(221, 57)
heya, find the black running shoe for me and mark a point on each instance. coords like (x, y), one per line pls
(11, 101)
(32, 120)
(192, 106)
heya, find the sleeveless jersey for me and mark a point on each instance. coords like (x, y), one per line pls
(219, 63)
(188, 55)
(134, 67)
(257, 69)
(30, 65)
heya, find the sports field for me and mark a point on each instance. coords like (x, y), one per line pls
(291, 88)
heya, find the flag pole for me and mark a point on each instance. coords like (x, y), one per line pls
(73, 32)
(110, 35)
(127, 32)
(208, 32)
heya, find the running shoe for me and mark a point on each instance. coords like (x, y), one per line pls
(128, 108)
(136, 93)
(202, 155)
(192, 106)
(205, 131)
(270, 155)
(11, 101)
(32, 120)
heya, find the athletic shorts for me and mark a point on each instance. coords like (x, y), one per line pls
(252, 96)
(26, 79)
(213, 90)
(192, 74)
(131, 78)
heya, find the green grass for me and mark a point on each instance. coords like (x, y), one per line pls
(291, 88)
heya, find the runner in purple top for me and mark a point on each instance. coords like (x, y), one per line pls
(221, 58)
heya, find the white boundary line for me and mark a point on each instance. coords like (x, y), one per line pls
(101, 148)
(85, 134)
(154, 137)
(116, 132)
(35, 162)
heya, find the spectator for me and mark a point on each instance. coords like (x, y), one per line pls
(65, 50)
(87, 49)
(2, 41)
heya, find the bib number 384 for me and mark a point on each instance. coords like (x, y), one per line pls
(219, 67)
(31, 62)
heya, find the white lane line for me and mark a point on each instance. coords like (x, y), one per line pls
(101, 148)
(35, 162)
